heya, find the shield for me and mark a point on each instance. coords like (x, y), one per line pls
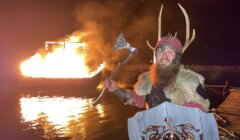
(169, 121)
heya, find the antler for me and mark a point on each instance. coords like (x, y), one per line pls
(159, 29)
(160, 23)
(187, 41)
(159, 33)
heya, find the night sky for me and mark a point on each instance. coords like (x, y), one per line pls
(26, 24)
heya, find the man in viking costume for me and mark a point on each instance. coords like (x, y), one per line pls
(167, 80)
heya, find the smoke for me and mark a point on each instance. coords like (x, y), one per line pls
(103, 21)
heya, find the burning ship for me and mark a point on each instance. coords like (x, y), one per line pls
(60, 65)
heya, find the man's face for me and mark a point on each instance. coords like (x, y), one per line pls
(165, 57)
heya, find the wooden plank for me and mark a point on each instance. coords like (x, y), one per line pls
(233, 122)
(231, 105)
(230, 111)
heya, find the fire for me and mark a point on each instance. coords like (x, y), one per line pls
(65, 61)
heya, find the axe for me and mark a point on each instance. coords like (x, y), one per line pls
(121, 43)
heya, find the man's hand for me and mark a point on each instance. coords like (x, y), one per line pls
(110, 85)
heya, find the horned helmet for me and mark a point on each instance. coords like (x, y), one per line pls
(172, 41)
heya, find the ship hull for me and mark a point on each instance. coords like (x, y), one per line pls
(60, 83)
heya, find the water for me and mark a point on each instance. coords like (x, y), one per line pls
(37, 114)
(62, 114)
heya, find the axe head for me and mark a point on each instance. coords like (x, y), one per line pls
(121, 43)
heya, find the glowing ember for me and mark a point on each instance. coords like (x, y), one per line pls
(65, 61)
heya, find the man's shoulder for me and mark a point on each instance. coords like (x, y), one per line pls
(143, 85)
(187, 74)
(144, 77)
(145, 74)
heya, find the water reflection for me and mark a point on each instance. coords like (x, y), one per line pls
(60, 116)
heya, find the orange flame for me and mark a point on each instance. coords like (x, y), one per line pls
(65, 61)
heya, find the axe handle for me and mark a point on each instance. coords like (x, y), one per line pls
(121, 64)
(114, 75)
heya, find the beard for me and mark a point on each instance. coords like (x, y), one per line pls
(162, 76)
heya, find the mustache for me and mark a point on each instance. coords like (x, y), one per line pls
(164, 59)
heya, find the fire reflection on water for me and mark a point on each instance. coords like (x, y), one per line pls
(59, 116)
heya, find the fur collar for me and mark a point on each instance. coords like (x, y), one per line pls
(181, 91)
(144, 86)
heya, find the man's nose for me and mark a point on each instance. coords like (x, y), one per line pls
(164, 54)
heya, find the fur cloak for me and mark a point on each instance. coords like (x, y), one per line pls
(183, 90)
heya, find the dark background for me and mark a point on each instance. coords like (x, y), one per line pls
(25, 25)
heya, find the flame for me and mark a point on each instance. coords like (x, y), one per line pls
(65, 61)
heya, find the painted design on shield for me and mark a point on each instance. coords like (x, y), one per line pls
(170, 131)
